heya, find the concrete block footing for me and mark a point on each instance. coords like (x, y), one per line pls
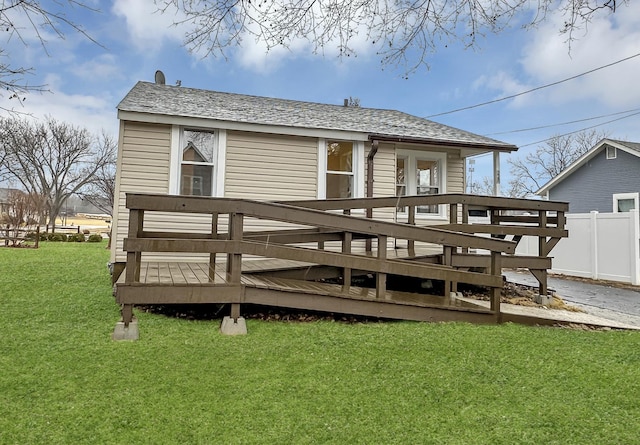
(230, 326)
(545, 300)
(122, 332)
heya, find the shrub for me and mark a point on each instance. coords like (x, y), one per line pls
(31, 236)
(57, 237)
(86, 231)
(44, 236)
(76, 238)
(95, 238)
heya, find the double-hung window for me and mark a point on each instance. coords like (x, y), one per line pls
(419, 173)
(197, 160)
(197, 163)
(341, 169)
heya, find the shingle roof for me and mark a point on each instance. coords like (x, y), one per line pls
(635, 146)
(146, 97)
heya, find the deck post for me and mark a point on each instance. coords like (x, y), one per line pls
(136, 224)
(496, 269)
(212, 256)
(411, 220)
(346, 272)
(447, 260)
(465, 220)
(234, 260)
(381, 278)
(542, 240)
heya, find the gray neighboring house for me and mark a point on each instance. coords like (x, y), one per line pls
(605, 179)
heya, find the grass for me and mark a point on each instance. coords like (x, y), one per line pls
(63, 380)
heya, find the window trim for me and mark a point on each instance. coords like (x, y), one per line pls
(357, 164)
(219, 156)
(611, 152)
(411, 157)
(624, 196)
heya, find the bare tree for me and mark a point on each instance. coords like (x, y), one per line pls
(53, 159)
(20, 215)
(403, 32)
(100, 190)
(24, 20)
(547, 161)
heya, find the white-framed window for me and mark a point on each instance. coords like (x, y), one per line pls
(340, 169)
(612, 153)
(197, 161)
(625, 202)
(420, 173)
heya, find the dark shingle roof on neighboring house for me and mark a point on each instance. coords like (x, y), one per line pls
(147, 97)
(635, 146)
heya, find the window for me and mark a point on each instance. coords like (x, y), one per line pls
(341, 169)
(427, 183)
(625, 202)
(419, 173)
(197, 163)
(611, 152)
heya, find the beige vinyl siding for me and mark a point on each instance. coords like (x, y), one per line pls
(271, 167)
(455, 173)
(384, 178)
(143, 161)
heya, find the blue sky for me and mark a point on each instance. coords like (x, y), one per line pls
(86, 81)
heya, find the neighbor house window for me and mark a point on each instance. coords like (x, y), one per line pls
(419, 173)
(625, 202)
(197, 154)
(611, 152)
(341, 169)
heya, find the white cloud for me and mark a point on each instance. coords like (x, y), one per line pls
(103, 67)
(146, 26)
(94, 112)
(549, 58)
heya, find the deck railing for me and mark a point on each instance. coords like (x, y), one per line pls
(457, 239)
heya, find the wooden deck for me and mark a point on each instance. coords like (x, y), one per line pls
(175, 283)
(295, 269)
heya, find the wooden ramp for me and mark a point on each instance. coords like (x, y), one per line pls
(190, 283)
(320, 258)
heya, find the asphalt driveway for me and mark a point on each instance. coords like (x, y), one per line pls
(619, 303)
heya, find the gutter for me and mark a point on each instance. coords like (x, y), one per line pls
(439, 142)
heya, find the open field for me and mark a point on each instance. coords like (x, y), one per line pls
(64, 380)
(91, 224)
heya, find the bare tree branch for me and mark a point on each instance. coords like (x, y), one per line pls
(25, 19)
(549, 160)
(403, 32)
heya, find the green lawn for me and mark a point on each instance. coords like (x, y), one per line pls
(63, 380)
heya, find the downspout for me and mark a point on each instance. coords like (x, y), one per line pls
(370, 156)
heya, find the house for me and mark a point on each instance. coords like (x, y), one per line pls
(177, 140)
(605, 179)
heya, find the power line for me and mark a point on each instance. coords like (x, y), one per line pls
(563, 123)
(578, 131)
(534, 89)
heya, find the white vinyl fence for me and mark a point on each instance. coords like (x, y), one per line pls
(603, 246)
